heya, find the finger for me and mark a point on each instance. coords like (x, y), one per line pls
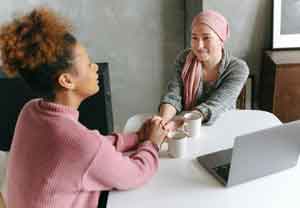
(164, 122)
(165, 138)
(170, 125)
(157, 122)
(154, 118)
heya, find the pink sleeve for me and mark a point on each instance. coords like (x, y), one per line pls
(111, 169)
(123, 142)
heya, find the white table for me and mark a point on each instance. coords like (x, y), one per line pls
(184, 183)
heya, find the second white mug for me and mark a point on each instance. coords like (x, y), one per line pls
(192, 124)
(177, 144)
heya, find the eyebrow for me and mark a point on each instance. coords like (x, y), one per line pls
(201, 34)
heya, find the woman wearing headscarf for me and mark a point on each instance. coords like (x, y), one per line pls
(207, 78)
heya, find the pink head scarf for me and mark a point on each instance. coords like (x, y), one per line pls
(215, 21)
(192, 68)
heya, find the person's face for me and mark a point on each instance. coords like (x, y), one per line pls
(85, 73)
(205, 43)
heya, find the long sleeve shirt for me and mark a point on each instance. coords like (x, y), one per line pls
(56, 162)
(212, 99)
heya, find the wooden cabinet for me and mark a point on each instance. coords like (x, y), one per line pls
(280, 84)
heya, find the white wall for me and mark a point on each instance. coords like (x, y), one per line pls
(139, 38)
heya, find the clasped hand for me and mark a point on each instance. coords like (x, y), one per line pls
(156, 129)
(153, 130)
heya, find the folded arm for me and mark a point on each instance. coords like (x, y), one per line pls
(111, 169)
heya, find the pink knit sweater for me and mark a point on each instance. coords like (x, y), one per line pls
(55, 162)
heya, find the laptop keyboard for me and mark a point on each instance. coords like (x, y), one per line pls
(223, 171)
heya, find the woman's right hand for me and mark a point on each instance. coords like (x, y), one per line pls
(175, 123)
(156, 132)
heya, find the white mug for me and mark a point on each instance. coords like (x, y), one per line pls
(192, 124)
(177, 144)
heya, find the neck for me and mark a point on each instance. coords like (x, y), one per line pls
(213, 63)
(67, 99)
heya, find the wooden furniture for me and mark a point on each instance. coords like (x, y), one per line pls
(280, 84)
(244, 100)
(2, 203)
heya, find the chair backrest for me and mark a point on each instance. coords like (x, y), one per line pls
(14, 93)
(135, 122)
(95, 112)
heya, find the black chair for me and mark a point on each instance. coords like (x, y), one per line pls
(95, 112)
(14, 94)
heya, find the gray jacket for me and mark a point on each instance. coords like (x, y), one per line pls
(213, 99)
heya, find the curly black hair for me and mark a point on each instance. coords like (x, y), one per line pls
(38, 46)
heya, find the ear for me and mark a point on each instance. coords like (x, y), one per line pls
(65, 80)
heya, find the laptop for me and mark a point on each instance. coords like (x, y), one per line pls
(255, 155)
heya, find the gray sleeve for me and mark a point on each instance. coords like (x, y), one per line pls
(173, 95)
(225, 96)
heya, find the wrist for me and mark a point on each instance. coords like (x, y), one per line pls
(155, 145)
(199, 112)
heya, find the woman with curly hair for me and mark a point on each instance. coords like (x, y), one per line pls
(54, 160)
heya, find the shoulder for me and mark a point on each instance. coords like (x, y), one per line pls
(236, 65)
(29, 107)
(31, 103)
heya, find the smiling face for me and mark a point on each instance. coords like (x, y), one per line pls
(205, 43)
(85, 76)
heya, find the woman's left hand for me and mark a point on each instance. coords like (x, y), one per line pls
(144, 130)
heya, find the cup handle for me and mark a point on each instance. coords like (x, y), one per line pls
(184, 129)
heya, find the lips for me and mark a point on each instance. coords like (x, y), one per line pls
(201, 51)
